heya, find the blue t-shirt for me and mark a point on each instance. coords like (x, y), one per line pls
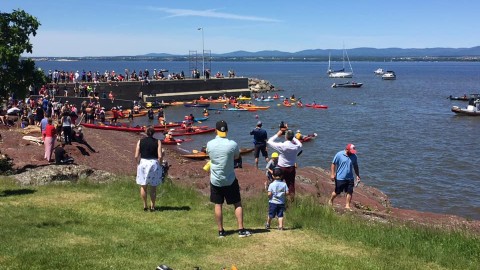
(222, 153)
(259, 136)
(344, 165)
(279, 192)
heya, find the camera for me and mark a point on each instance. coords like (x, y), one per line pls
(283, 127)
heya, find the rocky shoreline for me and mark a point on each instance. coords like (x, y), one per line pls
(103, 157)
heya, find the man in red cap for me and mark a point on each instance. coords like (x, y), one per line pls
(341, 171)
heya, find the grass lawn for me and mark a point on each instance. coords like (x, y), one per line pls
(89, 226)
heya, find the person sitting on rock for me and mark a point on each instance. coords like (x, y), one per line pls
(61, 156)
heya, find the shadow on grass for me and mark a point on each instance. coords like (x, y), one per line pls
(16, 192)
(172, 208)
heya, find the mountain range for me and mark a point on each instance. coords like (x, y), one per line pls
(353, 53)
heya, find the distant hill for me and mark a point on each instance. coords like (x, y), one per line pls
(355, 52)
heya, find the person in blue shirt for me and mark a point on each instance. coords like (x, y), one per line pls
(223, 182)
(260, 142)
(341, 171)
(277, 195)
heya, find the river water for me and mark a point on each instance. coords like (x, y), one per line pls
(410, 145)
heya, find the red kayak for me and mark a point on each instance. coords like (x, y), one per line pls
(316, 106)
(174, 142)
(195, 131)
(114, 127)
(165, 127)
(308, 137)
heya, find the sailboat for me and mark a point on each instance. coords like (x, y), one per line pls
(340, 73)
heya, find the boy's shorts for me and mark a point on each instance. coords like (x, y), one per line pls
(276, 210)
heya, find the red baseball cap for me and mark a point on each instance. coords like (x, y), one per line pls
(351, 148)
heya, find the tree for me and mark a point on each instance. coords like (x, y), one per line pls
(17, 74)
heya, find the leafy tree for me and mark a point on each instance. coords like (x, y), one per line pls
(17, 74)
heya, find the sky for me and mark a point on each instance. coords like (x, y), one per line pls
(114, 28)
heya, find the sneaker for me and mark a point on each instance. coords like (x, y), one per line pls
(267, 226)
(221, 234)
(280, 228)
(244, 233)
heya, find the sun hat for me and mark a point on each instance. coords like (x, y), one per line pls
(298, 131)
(351, 148)
(221, 128)
(274, 155)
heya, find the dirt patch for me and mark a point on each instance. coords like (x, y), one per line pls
(113, 151)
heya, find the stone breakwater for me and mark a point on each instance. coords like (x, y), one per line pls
(260, 86)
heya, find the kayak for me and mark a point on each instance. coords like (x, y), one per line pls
(244, 98)
(265, 99)
(308, 137)
(316, 106)
(203, 155)
(167, 126)
(203, 105)
(253, 107)
(174, 142)
(194, 132)
(115, 127)
(234, 109)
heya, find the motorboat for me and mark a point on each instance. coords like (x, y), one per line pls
(389, 75)
(379, 71)
(347, 85)
(473, 108)
(464, 97)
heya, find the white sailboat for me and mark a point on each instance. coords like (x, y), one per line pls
(340, 73)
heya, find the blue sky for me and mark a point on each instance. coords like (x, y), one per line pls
(109, 28)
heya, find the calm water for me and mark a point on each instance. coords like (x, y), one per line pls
(410, 145)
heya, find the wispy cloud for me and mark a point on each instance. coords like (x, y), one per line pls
(210, 13)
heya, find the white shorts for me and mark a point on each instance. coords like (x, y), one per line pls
(149, 172)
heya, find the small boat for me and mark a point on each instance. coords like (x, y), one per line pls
(248, 106)
(244, 98)
(308, 137)
(202, 155)
(264, 99)
(174, 142)
(473, 108)
(203, 105)
(389, 75)
(379, 71)
(195, 131)
(464, 97)
(115, 127)
(470, 111)
(233, 109)
(347, 85)
(124, 114)
(316, 106)
(204, 100)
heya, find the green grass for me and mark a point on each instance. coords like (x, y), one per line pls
(88, 226)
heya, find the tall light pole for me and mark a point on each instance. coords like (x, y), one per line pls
(203, 54)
